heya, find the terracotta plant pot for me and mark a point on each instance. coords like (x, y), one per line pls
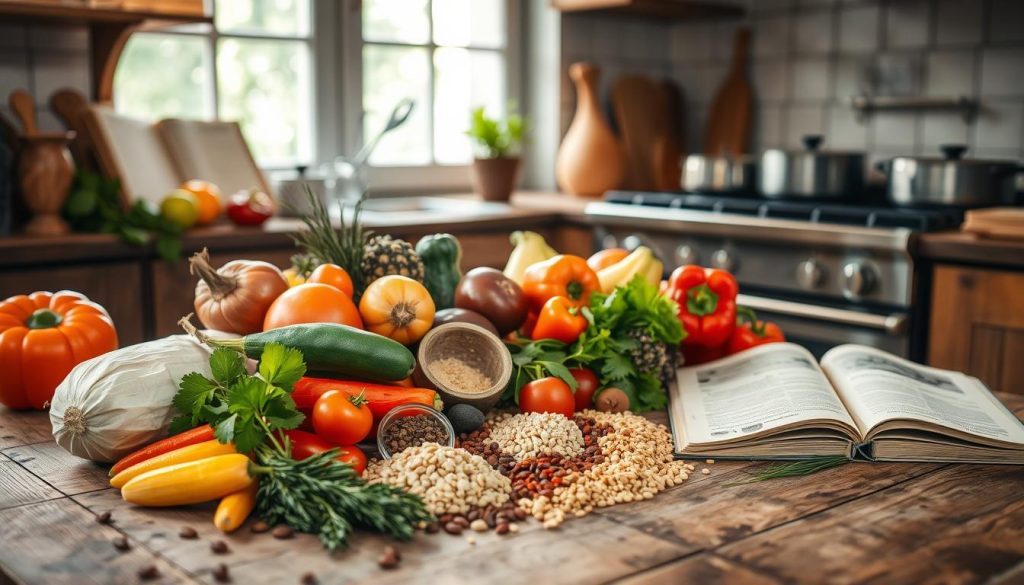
(495, 178)
(45, 172)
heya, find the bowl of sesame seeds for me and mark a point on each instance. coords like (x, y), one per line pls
(465, 364)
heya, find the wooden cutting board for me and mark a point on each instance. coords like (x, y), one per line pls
(730, 117)
(70, 106)
(648, 123)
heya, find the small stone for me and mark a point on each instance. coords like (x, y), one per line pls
(705, 471)
(105, 518)
(711, 461)
(453, 528)
(308, 579)
(219, 547)
(149, 572)
(471, 539)
(121, 543)
(513, 528)
(390, 558)
(503, 528)
(259, 526)
(433, 528)
(479, 525)
(221, 574)
(188, 533)
(283, 532)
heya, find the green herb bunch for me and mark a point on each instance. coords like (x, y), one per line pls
(343, 245)
(320, 494)
(605, 345)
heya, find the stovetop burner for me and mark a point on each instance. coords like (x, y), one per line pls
(920, 220)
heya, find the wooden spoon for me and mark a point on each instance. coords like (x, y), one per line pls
(70, 106)
(24, 108)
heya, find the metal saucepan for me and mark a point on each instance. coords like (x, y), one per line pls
(950, 180)
(811, 173)
(719, 174)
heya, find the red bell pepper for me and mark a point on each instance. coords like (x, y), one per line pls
(707, 304)
(562, 276)
(751, 332)
(560, 319)
(380, 398)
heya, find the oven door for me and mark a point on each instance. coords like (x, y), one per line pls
(820, 328)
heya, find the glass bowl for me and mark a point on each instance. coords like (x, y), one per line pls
(405, 410)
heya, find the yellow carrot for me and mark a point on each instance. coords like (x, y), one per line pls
(182, 455)
(192, 482)
(235, 508)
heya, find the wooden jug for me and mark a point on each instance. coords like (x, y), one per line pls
(591, 159)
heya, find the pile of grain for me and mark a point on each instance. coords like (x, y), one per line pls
(528, 435)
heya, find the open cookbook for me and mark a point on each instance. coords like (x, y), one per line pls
(777, 402)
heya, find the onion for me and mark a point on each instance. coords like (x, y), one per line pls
(236, 297)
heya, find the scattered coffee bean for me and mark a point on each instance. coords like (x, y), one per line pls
(283, 532)
(502, 528)
(219, 547)
(453, 528)
(390, 558)
(259, 526)
(308, 579)
(149, 572)
(473, 515)
(412, 431)
(433, 528)
(121, 543)
(105, 518)
(221, 574)
(188, 533)
(461, 521)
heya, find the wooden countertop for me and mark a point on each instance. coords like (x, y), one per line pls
(882, 522)
(963, 248)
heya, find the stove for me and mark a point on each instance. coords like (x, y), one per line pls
(827, 273)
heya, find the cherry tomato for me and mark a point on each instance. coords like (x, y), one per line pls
(307, 444)
(340, 419)
(250, 207)
(333, 275)
(586, 386)
(547, 395)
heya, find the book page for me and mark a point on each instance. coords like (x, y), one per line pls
(879, 387)
(211, 151)
(131, 150)
(752, 393)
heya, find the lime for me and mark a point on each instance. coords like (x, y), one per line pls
(181, 208)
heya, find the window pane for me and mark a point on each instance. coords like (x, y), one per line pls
(163, 76)
(465, 80)
(396, 21)
(469, 23)
(265, 85)
(391, 74)
(277, 17)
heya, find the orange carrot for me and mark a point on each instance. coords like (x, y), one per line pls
(196, 435)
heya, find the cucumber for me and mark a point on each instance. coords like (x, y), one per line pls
(338, 349)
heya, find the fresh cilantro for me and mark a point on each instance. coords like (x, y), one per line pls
(281, 366)
(227, 366)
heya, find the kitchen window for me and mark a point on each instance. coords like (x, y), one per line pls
(253, 65)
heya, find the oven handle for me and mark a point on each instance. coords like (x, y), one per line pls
(893, 324)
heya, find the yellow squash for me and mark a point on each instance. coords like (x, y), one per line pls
(530, 248)
(182, 455)
(639, 262)
(235, 508)
(193, 482)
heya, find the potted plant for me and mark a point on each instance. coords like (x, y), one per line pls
(496, 168)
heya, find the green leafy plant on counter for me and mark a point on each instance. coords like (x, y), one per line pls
(94, 205)
(496, 138)
(606, 345)
(319, 495)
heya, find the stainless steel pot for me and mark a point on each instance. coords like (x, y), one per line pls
(950, 180)
(811, 173)
(719, 174)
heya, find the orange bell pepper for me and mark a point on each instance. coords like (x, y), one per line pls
(560, 319)
(562, 276)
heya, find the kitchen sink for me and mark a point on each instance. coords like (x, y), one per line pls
(390, 209)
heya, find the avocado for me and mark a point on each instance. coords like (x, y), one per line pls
(465, 418)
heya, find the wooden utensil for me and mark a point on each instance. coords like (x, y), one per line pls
(70, 106)
(729, 120)
(668, 156)
(647, 122)
(24, 108)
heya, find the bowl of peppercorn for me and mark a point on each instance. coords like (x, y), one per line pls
(411, 425)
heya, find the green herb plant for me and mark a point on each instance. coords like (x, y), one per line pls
(329, 245)
(605, 345)
(94, 205)
(320, 494)
(496, 138)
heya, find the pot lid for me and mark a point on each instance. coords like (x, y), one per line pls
(953, 154)
(812, 146)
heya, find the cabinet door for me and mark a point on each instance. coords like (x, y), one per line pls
(117, 287)
(977, 325)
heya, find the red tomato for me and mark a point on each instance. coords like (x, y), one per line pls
(341, 419)
(307, 444)
(586, 386)
(547, 395)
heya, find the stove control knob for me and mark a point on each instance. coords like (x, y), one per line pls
(810, 274)
(858, 279)
(632, 242)
(723, 260)
(687, 254)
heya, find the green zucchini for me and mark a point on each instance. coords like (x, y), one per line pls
(332, 348)
(441, 255)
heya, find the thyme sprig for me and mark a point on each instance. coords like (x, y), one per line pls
(794, 469)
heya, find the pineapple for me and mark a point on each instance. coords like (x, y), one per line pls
(384, 255)
(651, 356)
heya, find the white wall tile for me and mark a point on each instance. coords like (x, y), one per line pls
(53, 70)
(768, 128)
(72, 38)
(712, 77)
(772, 36)
(814, 32)
(725, 37)
(896, 131)
(643, 39)
(908, 24)
(850, 79)
(950, 73)
(803, 120)
(14, 72)
(692, 42)
(689, 78)
(1006, 21)
(770, 80)
(577, 34)
(940, 128)
(858, 29)
(844, 131)
(1002, 72)
(1000, 125)
(13, 36)
(958, 22)
(810, 80)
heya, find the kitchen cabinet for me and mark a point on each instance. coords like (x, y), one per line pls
(977, 324)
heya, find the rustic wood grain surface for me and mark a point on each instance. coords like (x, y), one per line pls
(857, 523)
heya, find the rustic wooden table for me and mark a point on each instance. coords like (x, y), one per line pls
(885, 523)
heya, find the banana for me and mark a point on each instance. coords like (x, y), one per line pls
(530, 248)
(620, 273)
(655, 272)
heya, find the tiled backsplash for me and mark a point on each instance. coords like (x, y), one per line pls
(42, 60)
(808, 58)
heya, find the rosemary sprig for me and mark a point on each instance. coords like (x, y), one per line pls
(342, 246)
(794, 469)
(323, 496)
